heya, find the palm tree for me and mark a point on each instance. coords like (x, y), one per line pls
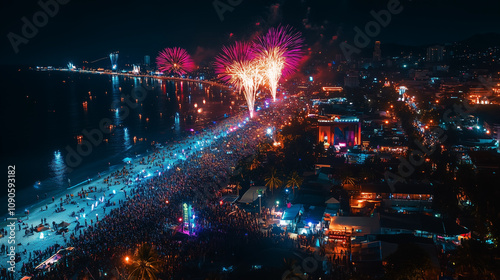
(272, 181)
(255, 163)
(294, 180)
(146, 263)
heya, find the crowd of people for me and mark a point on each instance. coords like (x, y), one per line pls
(151, 212)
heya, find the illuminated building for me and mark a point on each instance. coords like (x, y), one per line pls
(340, 131)
(147, 60)
(435, 53)
(136, 69)
(114, 60)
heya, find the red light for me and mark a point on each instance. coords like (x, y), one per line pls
(166, 201)
(221, 202)
(180, 219)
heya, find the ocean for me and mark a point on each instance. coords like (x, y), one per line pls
(61, 128)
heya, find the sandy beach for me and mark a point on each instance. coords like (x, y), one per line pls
(86, 202)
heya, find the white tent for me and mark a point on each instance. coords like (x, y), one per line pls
(252, 194)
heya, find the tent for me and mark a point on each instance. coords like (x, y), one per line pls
(127, 160)
(41, 228)
(252, 194)
(63, 224)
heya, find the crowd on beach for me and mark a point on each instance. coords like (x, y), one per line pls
(152, 208)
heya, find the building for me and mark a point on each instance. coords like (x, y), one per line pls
(147, 60)
(339, 131)
(401, 197)
(377, 53)
(435, 53)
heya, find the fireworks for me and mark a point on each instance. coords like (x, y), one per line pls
(246, 66)
(239, 67)
(279, 53)
(175, 61)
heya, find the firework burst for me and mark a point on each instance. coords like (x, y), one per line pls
(279, 53)
(175, 61)
(237, 65)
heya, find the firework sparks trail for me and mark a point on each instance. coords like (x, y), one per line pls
(175, 61)
(279, 53)
(237, 65)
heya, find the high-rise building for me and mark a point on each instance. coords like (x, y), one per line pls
(435, 53)
(377, 53)
(147, 60)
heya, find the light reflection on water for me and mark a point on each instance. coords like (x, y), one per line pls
(168, 112)
(126, 139)
(58, 169)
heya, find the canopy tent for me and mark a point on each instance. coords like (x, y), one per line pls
(292, 212)
(332, 201)
(54, 258)
(48, 262)
(252, 194)
(127, 160)
(41, 228)
(63, 224)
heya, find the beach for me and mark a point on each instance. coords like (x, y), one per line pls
(88, 202)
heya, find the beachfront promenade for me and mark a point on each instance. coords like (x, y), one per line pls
(109, 216)
(212, 83)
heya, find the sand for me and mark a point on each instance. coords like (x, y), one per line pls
(99, 190)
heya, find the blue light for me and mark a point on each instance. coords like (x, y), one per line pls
(311, 79)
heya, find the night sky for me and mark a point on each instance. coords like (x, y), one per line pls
(91, 29)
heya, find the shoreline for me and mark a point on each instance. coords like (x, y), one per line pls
(156, 160)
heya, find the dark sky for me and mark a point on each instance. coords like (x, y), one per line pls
(90, 29)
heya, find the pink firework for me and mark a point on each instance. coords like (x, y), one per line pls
(279, 52)
(239, 54)
(175, 61)
(238, 66)
(285, 41)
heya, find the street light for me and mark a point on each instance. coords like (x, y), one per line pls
(269, 131)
